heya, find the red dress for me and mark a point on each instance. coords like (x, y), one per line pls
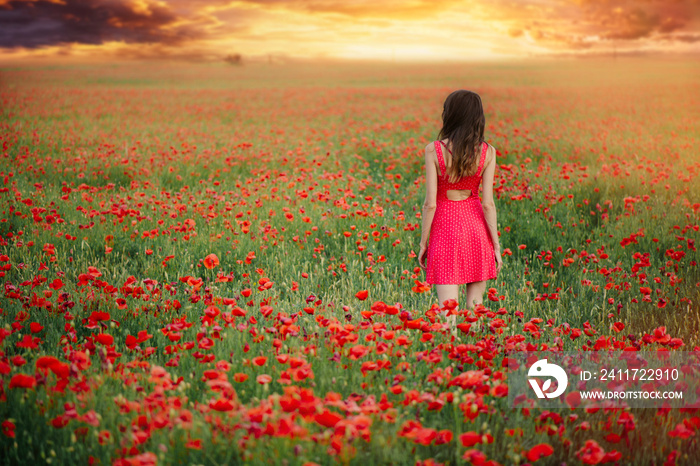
(460, 249)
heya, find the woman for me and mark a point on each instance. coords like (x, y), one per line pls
(459, 237)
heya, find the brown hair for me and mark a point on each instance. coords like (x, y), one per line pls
(463, 124)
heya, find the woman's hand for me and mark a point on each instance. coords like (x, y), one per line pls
(422, 256)
(499, 260)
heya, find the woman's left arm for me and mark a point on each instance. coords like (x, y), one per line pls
(430, 203)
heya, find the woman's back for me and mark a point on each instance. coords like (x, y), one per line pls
(467, 185)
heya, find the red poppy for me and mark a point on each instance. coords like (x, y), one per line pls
(541, 450)
(362, 295)
(104, 339)
(222, 404)
(328, 418)
(444, 436)
(681, 431)
(211, 261)
(56, 284)
(104, 437)
(99, 316)
(420, 287)
(8, 428)
(469, 439)
(194, 444)
(28, 342)
(35, 327)
(591, 453)
(22, 381)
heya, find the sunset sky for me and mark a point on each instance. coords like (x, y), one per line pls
(355, 29)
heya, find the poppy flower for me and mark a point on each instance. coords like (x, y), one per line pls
(541, 450)
(362, 295)
(469, 439)
(104, 339)
(327, 418)
(591, 453)
(22, 381)
(35, 327)
(222, 405)
(681, 431)
(28, 342)
(194, 444)
(420, 287)
(211, 261)
(56, 284)
(8, 428)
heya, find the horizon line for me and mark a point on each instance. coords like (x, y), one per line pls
(279, 59)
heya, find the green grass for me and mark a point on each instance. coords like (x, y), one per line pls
(340, 131)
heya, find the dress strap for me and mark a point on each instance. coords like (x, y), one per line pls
(482, 159)
(448, 149)
(441, 161)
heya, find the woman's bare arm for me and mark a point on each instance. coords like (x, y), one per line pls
(487, 202)
(430, 203)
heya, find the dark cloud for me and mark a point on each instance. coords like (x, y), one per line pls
(690, 38)
(34, 24)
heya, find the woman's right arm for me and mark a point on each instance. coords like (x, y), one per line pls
(487, 203)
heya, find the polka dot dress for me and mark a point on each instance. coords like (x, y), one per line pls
(459, 246)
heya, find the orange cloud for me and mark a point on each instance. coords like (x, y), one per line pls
(634, 19)
(394, 9)
(588, 23)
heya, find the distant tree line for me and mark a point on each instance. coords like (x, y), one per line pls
(234, 58)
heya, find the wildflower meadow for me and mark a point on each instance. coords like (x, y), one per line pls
(208, 264)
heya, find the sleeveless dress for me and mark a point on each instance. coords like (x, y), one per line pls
(460, 249)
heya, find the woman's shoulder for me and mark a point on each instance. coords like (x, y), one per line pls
(431, 155)
(431, 151)
(491, 152)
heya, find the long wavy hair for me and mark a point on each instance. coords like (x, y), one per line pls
(463, 124)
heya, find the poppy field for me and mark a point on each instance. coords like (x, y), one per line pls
(207, 264)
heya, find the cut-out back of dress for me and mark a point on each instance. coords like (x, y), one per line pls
(470, 183)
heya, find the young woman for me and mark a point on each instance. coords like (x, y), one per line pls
(459, 237)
